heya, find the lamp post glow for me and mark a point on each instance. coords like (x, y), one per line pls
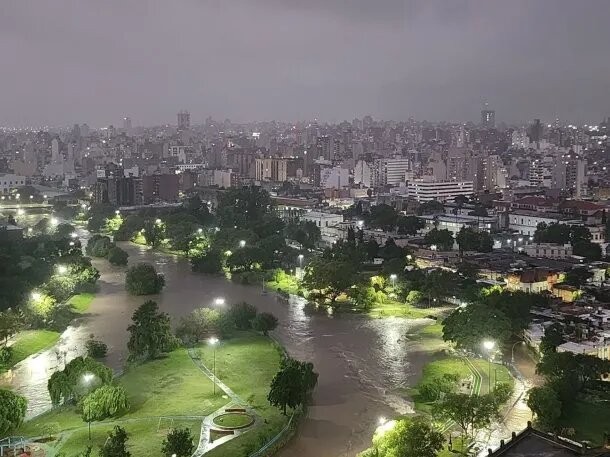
(87, 380)
(213, 341)
(219, 301)
(301, 256)
(62, 269)
(489, 346)
(393, 279)
(36, 296)
(242, 243)
(54, 221)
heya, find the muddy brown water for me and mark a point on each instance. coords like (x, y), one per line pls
(360, 361)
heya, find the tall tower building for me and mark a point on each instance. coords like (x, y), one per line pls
(184, 120)
(54, 150)
(127, 125)
(488, 118)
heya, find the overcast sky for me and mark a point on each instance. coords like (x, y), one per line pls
(95, 61)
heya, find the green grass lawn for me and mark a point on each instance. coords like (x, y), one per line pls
(392, 308)
(80, 303)
(589, 420)
(451, 365)
(233, 420)
(174, 386)
(30, 342)
(256, 359)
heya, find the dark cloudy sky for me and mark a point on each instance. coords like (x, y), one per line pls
(66, 61)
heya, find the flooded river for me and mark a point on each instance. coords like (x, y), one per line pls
(360, 361)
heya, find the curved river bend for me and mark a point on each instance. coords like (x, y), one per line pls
(360, 361)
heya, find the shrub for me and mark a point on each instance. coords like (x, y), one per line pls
(99, 246)
(209, 263)
(12, 411)
(242, 314)
(179, 442)
(117, 256)
(264, 322)
(142, 279)
(96, 349)
(203, 323)
(6, 352)
(106, 401)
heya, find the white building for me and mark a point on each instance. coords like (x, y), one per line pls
(525, 222)
(271, 169)
(548, 250)
(389, 171)
(598, 349)
(362, 173)
(425, 191)
(9, 182)
(334, 178)
(219, 178)
(321, 219)
(177, 151)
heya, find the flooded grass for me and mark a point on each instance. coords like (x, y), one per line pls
(30, 342)
(80, 303)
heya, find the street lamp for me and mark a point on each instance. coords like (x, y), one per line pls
(74, 235)
(62, 269)
(54, 221)
(242, 243)
(219, 301)
(489, 346)
(214, 341)
(36, 296)
(157, 221)
(200, 231)
(87, 380)
(117, 212)
(20, 212)
(512, 352)
(301, 256)
(393, 279)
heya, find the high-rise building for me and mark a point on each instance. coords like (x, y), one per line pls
(54, 150)
(127, 125)
(427, 190)
(160, 187)
(488, 119)
(390, 171)
(323, 147)
(118, 190)
(184, 120)
(271, 169)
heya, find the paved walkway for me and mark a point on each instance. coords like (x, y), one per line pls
(205, 443)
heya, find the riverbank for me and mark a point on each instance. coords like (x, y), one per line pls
(173, 392)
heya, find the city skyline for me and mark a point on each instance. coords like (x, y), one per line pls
(74, 62)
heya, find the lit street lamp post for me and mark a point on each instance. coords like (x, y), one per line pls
(512, 352)
(393, 279)
(489, 346)
(87, 380)
(301, 260)
(214, 341)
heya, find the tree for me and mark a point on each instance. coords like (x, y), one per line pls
(242, 315)
(12, 411)
(99, 246)
(467, 239)
(546, 405)
(469, 412)
(431, 207)
(330, 278)
(211, 262)
(181, 235)
(577, 277)
(553, 337)
(116, 444)
(154, 232)
(63, 230)
(67, 385)
(292, 384)
(410, 225)
(106, 401)
(264, 322)
(442, 239)
(242, 207)
(591, 251)
(479, 211)
(382, 217)
(467, 327)
(179, 442)
(203, 323)
(409, 438)
(150, 332)
(96, 349)
(117, 256)
(142, 279)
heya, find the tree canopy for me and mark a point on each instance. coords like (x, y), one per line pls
(142, 279)
(150, 332)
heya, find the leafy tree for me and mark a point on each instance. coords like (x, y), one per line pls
(414, 297)
(382, 217)
(432, 390)
(67, 385)
(431, 207)
(470, 239)
(553, 337)
(96, 349)
(142, 279)
(116, 444)
(130, 226)
(306, 233)
(468, 270)
(546, 405)
(10, 323)
(181, 235)
(63, 230)
(117, 256)
(154, 232)
(203, 323)
(99, 246)
(242, 315)
(97, 215)
(242, 207)
(410, 225)
(106, 401)
(591, 251)
(179, 442)
(469, 412)
(150, 332)
(467, 327)
(246, 259)
(479, 211)
(12, 410)
(264, 322)
(292, 384)
(577, 277)
(409, 438)
(440, 238)
(60, 287)
(330, 278)
(211, 262)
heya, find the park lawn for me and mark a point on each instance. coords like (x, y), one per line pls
(145, 438)
(30, 342)
(80, 303)
(451, 365)
(169, 386)
(589, 420)
(392, 308)
(247, 364)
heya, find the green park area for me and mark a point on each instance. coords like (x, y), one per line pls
(30, 342)
(80, 303)
(171, 392)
